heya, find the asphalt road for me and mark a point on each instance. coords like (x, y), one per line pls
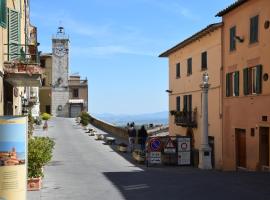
(85, 169)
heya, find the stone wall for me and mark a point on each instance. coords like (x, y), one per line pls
(117, 131)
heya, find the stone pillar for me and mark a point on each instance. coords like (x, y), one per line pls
(205, 150)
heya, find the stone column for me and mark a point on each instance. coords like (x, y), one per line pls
(205, 150)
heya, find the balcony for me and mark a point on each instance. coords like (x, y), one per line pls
(23, 69)
(185, 118)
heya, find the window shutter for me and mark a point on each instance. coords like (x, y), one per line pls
(228, 92)
(3, 13)
(245, 72)
(232, 38)
(254, 28)
(13, 34)
(204, 60)
(259, 79)
(185, 103)
(178, 70)
(178, 103)
(236, 83)
(190, 103)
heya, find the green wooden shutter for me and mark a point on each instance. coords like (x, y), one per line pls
(228, 84)
(13, 34)
(189, 103)
(3, 13)
(178, 103)
(254, 29)
(232, 38)
(259, 79)
(245, 72)
(185, 103)
(178, 70)
(236, 83)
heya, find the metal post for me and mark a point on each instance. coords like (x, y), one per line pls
(205, 150)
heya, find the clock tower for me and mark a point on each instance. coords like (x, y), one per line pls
(60, 74)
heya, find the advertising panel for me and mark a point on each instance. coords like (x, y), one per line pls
(13, 154)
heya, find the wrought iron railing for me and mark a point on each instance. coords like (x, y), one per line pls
(186, 118)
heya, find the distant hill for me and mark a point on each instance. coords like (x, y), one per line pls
(147, 118)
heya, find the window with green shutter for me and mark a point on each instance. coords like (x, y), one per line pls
(178, 70)
(3, 13)
(185, 103)
(228, 87)
(258, 79)
(232, 38)
(253, 80)
(13, 34)
(189, 66)
(246, 82)
(236, 83)
(178, 103)
(204, 60)
(232, 84)
(254, 29)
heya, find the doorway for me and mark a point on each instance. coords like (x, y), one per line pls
(240, 139)
(264, 147)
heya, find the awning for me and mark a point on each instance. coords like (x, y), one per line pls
(71, 101)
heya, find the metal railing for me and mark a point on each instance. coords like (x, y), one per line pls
(27, 54)
(186, 119)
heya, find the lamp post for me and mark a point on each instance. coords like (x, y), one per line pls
(205, 150)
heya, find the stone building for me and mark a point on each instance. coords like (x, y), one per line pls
(61, 95)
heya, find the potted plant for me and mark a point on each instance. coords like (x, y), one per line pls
(39, 154)
(138, 155)
(122, 147)
(45, 117)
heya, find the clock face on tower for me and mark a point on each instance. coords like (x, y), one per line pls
(60, 50)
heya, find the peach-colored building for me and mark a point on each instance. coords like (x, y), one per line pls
(246, 91)
(188, 61)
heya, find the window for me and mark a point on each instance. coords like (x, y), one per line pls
(232, 84)
(75, 92)
(13, 34)
(43, 63)
(253, 80)
(232, 38)
(3, 13)
(178, 70)
(43, 81)
(189, 66)
(178, 103)
(254, 28)
(187, 103)
(204, 60)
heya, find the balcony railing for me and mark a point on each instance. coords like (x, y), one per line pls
(27, 54)
(186, 119)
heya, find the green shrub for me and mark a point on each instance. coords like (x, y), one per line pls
(45, 116)
(40, 152)
(85, 118)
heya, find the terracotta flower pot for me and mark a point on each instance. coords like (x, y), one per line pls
(122, 148)
(34, 184)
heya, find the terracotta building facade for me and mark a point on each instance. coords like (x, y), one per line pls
(188, 61)
(246, 85)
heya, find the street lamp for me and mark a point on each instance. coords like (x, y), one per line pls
(205, 150)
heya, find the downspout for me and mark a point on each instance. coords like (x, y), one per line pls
(222, 94)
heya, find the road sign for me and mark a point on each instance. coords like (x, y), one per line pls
(155, 144)
(155, 157)
(184, 154)
(169, 147)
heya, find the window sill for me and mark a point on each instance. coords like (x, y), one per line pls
(178, 77)
(253, 44)
(204, 69)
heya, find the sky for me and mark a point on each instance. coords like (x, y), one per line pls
(116, 43)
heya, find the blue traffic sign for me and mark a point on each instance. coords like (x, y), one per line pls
(155, 144)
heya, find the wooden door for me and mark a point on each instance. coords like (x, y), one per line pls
(264, 146)
(240, 136)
